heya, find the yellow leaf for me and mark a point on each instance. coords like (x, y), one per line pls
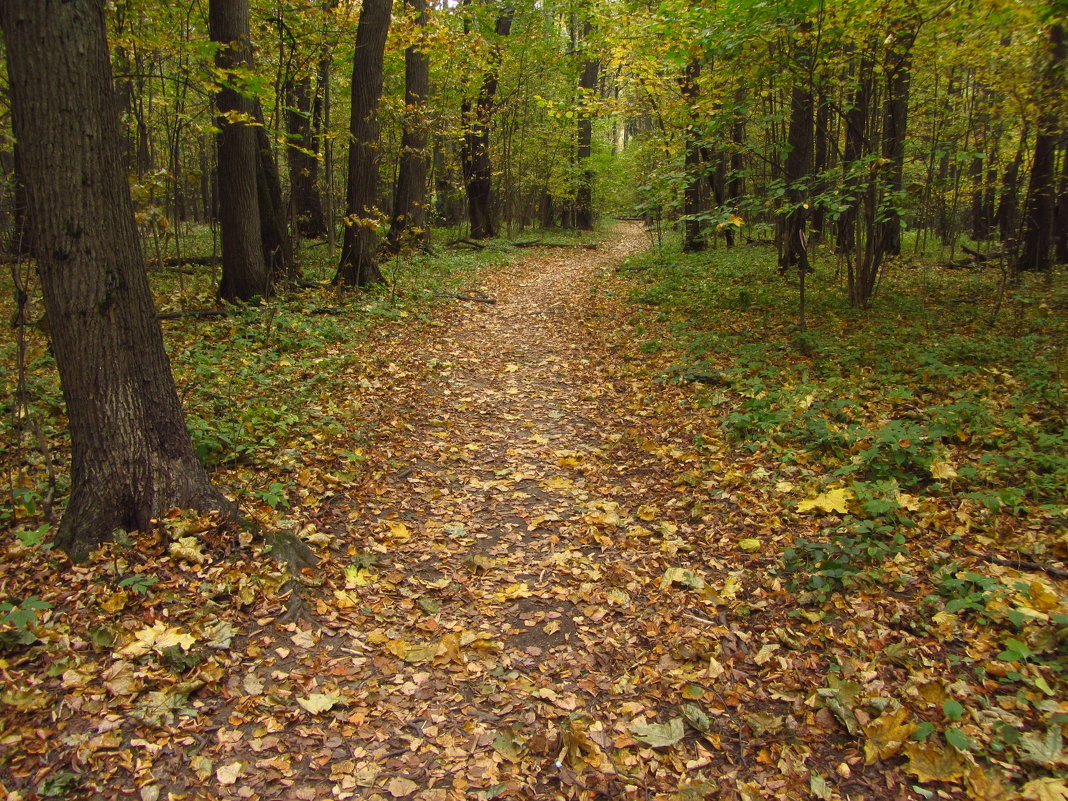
(887, 735)
(647, 512)
(318, 702)
(448, 650)
(749, 544)
(942, 469)
(228, 774)
(399, 648)
(188, 549)
(400, 787)
(398, 531)
(157, 638)
(356, 576)
(1046, 789)
(987, 785)
(932, 763)
(765, 653)
(115, 603)
(835, 500)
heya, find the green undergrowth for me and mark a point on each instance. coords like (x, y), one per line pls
(951, 387)
(261, 385)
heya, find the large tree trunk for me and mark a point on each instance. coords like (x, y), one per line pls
(475, 151)
(693, 235)
(1060, 214)
(898, 68)
(358, 266)
(275, 240)
(132, 458)
(244, 270)
(1036, 237)
(408, 225)
(587, 87)
(302, 160)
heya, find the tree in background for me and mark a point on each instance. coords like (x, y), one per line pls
(358, 266)
(132, 458)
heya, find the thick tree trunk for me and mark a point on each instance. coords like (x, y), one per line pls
(302, 160)
(358, 266)
(693, 235)
(587, 87)
(1036, 237)
(408, 225)
(132, 458)
(819, 167)
(1060, 215)
(244, 270)
(898, 69)
(1007, 216)
(475, 153)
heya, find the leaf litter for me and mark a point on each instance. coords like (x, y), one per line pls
(550, 577)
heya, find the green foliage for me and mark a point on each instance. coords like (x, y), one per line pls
(21, 616)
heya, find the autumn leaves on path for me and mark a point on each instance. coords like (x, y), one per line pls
(514, 612)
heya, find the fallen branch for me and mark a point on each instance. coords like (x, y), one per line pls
(471, 243)
(479, 298)
(183, 261)
(193, 313)
(1020, 564)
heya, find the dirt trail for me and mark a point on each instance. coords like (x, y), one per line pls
(495, 615)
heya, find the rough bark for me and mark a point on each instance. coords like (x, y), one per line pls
(797, 170)
(244, 270)
(358, 266)
(302, 160)
(475, 150)
(856, 138)
(408, 224)
(275, 240)
(132, 458)
(898, 69)
(693, 234)
(587, 86)
(1036, 236)
(1060, 215)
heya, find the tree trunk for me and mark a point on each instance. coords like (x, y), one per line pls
(408, 225)
(1060, 218)
(797, 171)
(132, 458)
(587, 86)
(856, 138)
(898, 69)
(1036, 236)
(358, 266)
(475, 152)
(1007, 216)
(819, 167)
(275, 240)
(693, 235)
(244, 270)
(302, 160)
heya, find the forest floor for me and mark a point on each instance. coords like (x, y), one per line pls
(543, 573)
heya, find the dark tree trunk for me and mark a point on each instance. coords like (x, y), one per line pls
(244, 270)
(1060, 216)
(819, 167)
(408, 225)
(587, 86)
(693, 235)
(1036, 236)
(475, 153)
(1008, 205)
(132, 458)
(898, 67)
(275, 240)
(302, 160)
(856, 140)
(358, 266)
(797, 171)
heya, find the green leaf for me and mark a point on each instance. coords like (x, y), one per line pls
(953, 709)
(959, 740)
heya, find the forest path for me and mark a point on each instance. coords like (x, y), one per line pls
(500, 606)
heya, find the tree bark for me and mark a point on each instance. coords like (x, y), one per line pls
(693, 235)
(898, 67)
(475, 151)
(587, 86)
(275, 240)
(1060, 215)
(302, 160)
(132, 458)
(1036, 236)
(408, 225)
(856, 144)
(797, 171)
(358, 266)
(244, 270)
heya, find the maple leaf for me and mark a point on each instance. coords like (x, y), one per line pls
(1046, 788)
(836, 500)
(886, 735)
(319, 702)
(157, 637)
(930, 762)
(659, 735)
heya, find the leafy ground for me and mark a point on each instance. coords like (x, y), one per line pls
(557, 556)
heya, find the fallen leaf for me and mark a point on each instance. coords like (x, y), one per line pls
(228, 774)
(836, 500)
(887, 735)
(659, 735)
(400, 787)
(930, 762)
(318, 702)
